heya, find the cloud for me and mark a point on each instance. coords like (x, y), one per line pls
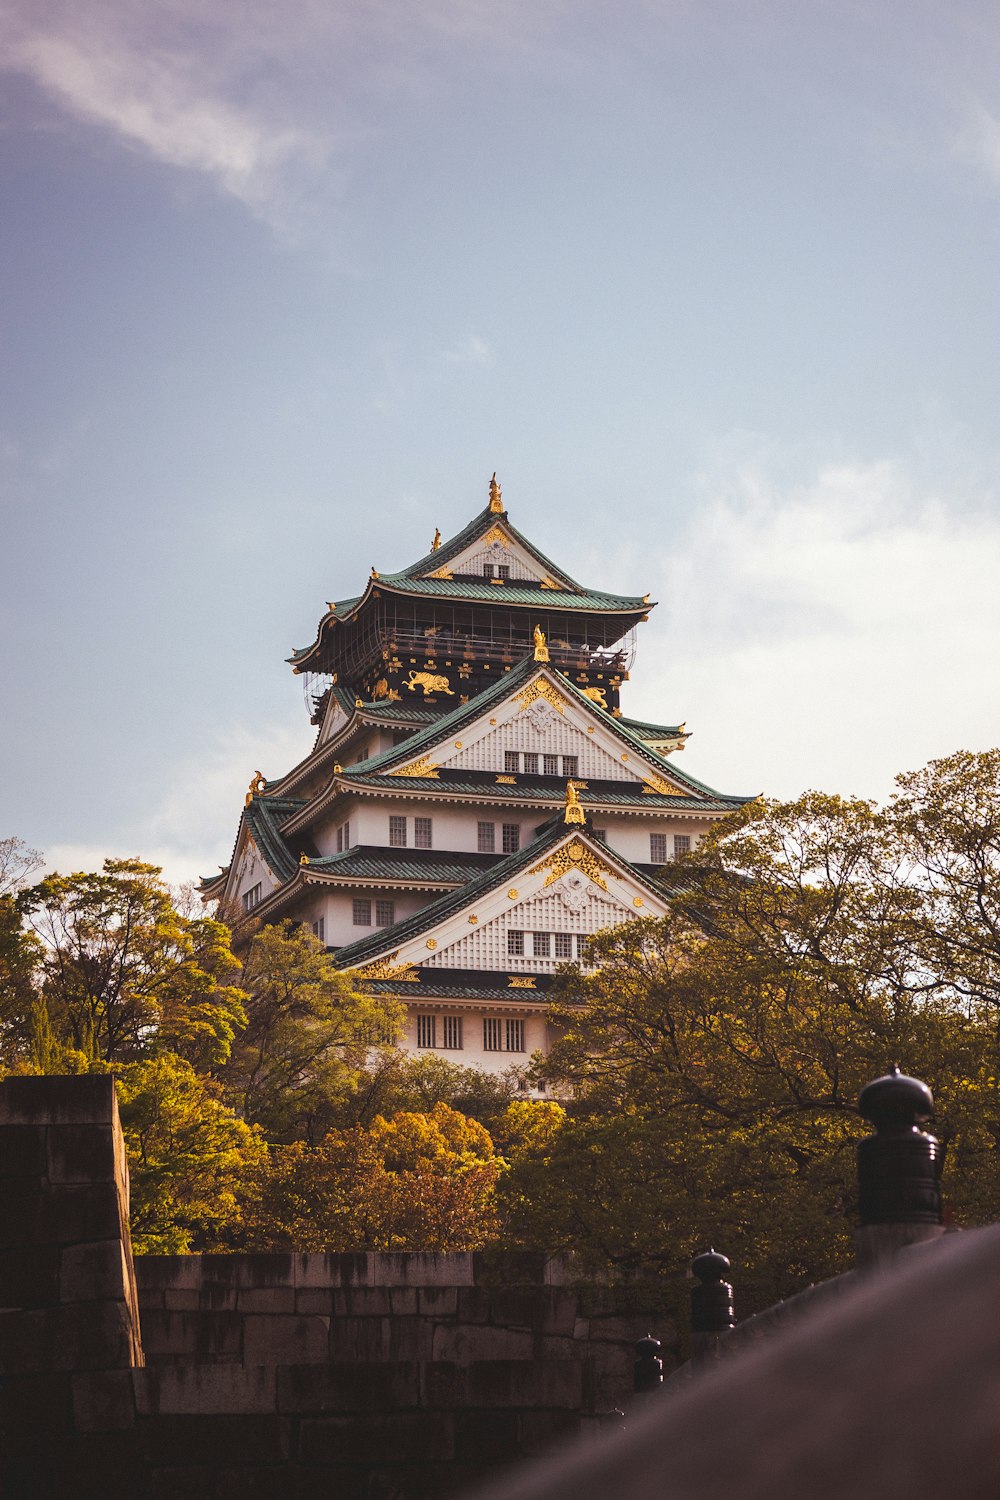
(829, 634)
(471, 351)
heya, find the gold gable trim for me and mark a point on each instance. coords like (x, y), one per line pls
(495, 534)
(387, 968)
(541, 689)
(521, 981)
(574, 856)
(444, 573)
(417, 768)
(655, 786)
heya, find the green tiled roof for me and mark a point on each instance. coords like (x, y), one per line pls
(551, 600)
(490, 990)
(540, 788)
(652, 731)
(371, 862)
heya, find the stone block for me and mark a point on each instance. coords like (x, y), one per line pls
(504, 1383)
(314, 1300)
(168, 1272)
(363, 1302)
(83, 1336)
(85, 1099)
(360, 1338)
(511, 1268)
(386, 1386)
(248, 1270)
(352, 1483)
(95, 1271)
(23, 1152)
(81, 1153)
(103, 1401)
(463, 1343)
(205, 1389)
(438, 1301)
(396, 1437)
(215, 1440)
(581, 1328)
(195, 1335)
(410, 1339)
(265, 1299)
(332, 1269)
(403, 1300)
(492, 1437)
(37, 1213)
(180, 1484)
(412, 1268)
(181, 1300)
(287, 1340)
(543, 1430)
(29, 1276)
(34, 1407)
(271, 1483)
(559, 1310)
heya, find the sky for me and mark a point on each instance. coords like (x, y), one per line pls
(712, 286)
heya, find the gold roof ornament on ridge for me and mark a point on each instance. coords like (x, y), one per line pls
(257, 785)
(496, 496)
(541, 649)
(574, 808)
(435, 544)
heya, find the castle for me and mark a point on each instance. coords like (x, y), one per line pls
(476, 805)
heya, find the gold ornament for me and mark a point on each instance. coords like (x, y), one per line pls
(541, 688)
(422, 767)
(521, 981)
(541, 649)
(444, 573)
(496, 498)
(387, 968)
(574, 856)
(574, 810)
(435, 544)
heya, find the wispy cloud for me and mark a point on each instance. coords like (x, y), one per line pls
(471, 351)
(828, 634)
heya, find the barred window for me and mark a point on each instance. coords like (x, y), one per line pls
(385, 913)
(542, 944)
(571, 765)
(251, 897)
(601, 835)
(397, 832)
(347, 835)
(319, 929)
(511, 838)
(682, 844)
(530, 763)
(427, 1031)
(492, 1034)
(501, 570)
(581, 944)
(362, 912)
(564, 945)
(550, 765)
(422, 828)
(340, 840)
(452, 1029)
(511, 761)
(658, 848)
(515, 943)
(515, 1036)
(486, 838)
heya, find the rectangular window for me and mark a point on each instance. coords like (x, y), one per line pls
(530, 763)
(486, 838)
(542, 944)
(564, 945)
(347, 835)
(550, 765)
(397, 832)
(452, 1029)
(570, 765)
(500, 570)
(515, 943)
(362, 913)
(658, 848)
(581, 944)
(319, 929)
(511, 838)
(422, 833)
(427, 1031)
(682, 844)
(515, 1036)
(511, 761)
(385, 913)
(340, 840)
(251, 897)
(492, 1034)
(601, 835)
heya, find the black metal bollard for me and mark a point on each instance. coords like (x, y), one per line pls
(712, 1296)
(648, 1369)
(899, 1167)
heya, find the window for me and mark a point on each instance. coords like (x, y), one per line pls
(399, 735)
(427, 1031)
(682, 844)
(542, 944)
(570, 765)
(658, 848)
(581, 944)
(601, 835)
(385, 913)
(486, 838)
(343, 837)
(422, 833)
(492, 1034)
(362, 913)
(530, 763)
(511, 838)
(511, 761)
(550, 765)
(515, 943)
(452, 1028)
(319, 929)
(397, 832)
(251, 897)
(340, 840)
(564, 945)
(515, 1036)
(501, 570)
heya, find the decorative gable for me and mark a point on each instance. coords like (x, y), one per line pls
(492, 553)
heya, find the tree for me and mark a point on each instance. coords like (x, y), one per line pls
(123, 975)
(416, 1182)
(189, 1158)
(309, 1036)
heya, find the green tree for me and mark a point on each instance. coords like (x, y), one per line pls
(123, 975)
(309, 1038)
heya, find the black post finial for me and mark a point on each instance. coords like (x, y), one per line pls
(712, 1297)
(648, 1369)
(899, 1167)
